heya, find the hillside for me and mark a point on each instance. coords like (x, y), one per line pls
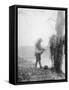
(27, 72)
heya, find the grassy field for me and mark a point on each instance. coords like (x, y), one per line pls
(28, 72)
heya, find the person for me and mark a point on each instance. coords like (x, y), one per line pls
(38, 52)
(52, 48)
(56, 50)
(59, 55)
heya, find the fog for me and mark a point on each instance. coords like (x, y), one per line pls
(35, 23)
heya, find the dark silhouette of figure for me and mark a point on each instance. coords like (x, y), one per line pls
(58, 55)
(56, 50)
(52, 48)
(38, 52)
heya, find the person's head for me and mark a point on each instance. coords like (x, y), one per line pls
(40, 40)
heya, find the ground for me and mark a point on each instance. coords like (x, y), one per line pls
(27, 72)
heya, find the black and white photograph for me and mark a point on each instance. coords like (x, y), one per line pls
(41, 44)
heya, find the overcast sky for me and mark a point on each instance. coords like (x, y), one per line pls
(35, 23)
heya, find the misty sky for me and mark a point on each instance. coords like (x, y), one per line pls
(35, 23)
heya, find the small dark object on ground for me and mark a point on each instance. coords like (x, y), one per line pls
(45, 67)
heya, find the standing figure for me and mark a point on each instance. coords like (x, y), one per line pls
(56, 50)
(52, 48)
(59, 54)
(38, 51)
